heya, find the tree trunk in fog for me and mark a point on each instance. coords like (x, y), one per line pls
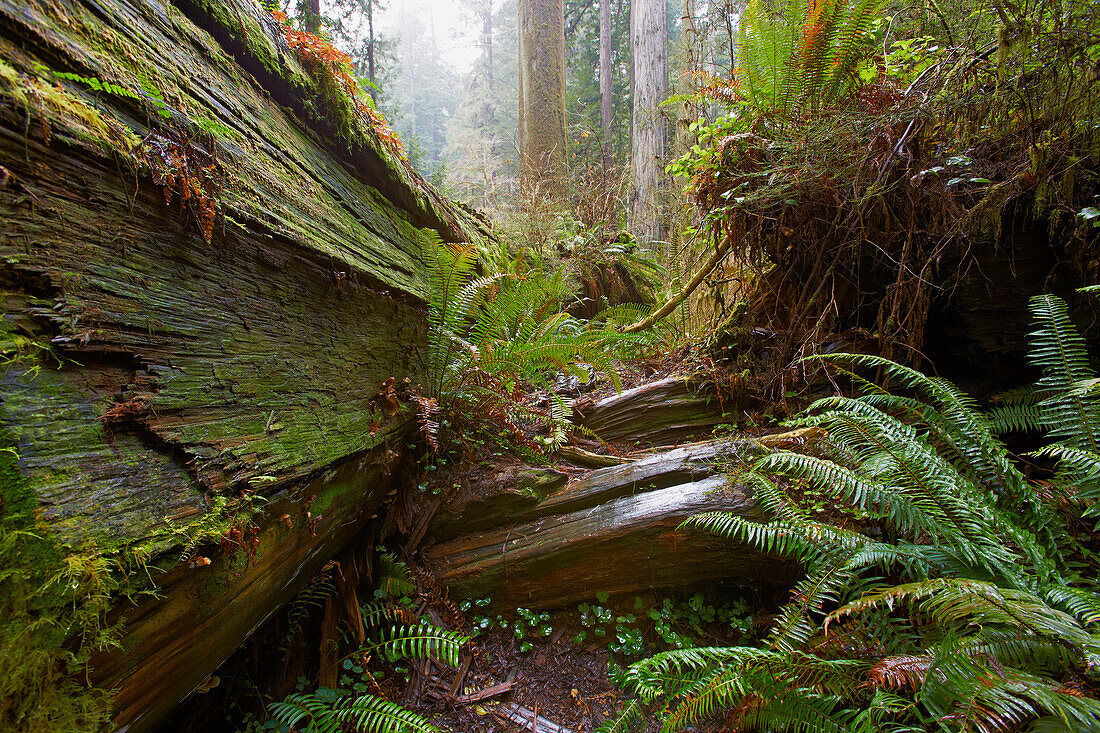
(488, 113)
(311, 15)
(370, 42)
(542, 97)
(649, 44)
(606, 103)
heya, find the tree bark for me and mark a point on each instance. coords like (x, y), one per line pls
(542, 98)
(488, 115)
(311, 15)
(649, 45)
(175, 373)
(613, 530)
(606, 101)
(370, 42)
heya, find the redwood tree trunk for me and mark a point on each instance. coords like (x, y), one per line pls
(606, 102)
(649, 43)
(370, 42)
(542, 97)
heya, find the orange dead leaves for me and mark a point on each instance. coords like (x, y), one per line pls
(188, 174)
(314, 49)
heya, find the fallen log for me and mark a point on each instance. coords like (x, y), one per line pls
(664, 412)
(172, 366)
(623, 546)
(507, 496)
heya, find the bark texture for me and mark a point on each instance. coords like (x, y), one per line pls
(607, 103)
(649, 134)
(542, 98)
(664, 412)
(185, 373)
(615, 530)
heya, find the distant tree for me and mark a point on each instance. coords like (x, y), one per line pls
(423, 95)
(649, 44)
(607, 102)
(481, 152)
(542, 96)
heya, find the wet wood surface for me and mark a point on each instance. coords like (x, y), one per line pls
(614, 530)
(169, 373)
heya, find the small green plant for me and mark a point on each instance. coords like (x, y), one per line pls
(624, 626)
(352, 707)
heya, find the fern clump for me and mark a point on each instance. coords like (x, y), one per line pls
(327, 711)
(965, 603)
(494, 338)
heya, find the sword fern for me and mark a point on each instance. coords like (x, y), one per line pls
(984, 618)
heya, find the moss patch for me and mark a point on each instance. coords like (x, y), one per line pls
(52, 602)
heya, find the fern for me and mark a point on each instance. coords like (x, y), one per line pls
(988, 615)
(365, 713)
(495, 336)
(328, 711)
(1071, 415)
(625, 720)
(420, 641)
(798, 56)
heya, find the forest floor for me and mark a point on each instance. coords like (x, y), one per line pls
(559, 686)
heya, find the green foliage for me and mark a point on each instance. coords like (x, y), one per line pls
(361, 713)
(418, 641)
(996, 605)
(328, 711)
(494, 337)
(798, 56)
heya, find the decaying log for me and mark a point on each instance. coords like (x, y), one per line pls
(508, 495)
(183, 372)
(664, 412)
(614, 530)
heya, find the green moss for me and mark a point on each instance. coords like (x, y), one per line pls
(54, 104)
(52, 602)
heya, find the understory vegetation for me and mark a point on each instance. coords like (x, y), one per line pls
(848, 177)
(875, 217)
(965, 599)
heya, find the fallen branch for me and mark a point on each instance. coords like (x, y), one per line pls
(528, 719)
(488, 692)
(582, 457)
(700, 275)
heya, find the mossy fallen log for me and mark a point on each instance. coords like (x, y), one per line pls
(664, 412)
(615, 530)
(209, 264)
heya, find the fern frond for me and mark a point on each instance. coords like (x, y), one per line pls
(1083, 604)
(949, 601)
(1059, 350)
(625, 720)
(375, 715)
(419, 642)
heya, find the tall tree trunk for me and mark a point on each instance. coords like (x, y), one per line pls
(487, 42)
(542, 97)
(310, 10)
(606, 102)
(370, 42)
(682, 213)
(488, 115)
(649, 43)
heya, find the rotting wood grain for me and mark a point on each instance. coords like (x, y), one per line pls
(246, 364)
